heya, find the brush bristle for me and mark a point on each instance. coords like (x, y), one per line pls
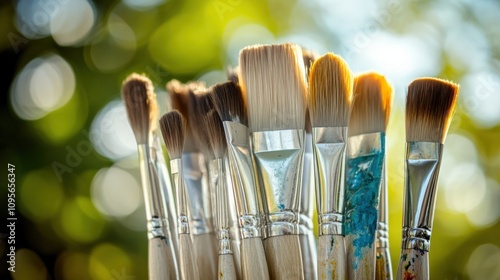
(173, 126)
(273, 81)
(233, 74)
(372, 104)
(140, 102)
(309, 57)
(215, 131)
(229, 102)
(430, 105)
(199, 106)
(330, 92)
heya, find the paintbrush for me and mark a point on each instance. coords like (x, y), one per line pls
(366, 86)
(173, 128)
(330, 96)
(138, 95)
(364, 171)
(430, 105)
(273, 79)
(230, 104)
(196, 180)
(217, 141)
(306, 233)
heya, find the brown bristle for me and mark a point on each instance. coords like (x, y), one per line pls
(233, 74)
(215, 131)
(371, 108)
(308, 126)
(229, 102)
(430, 105)
(330, 92)
(273, 81)
(173, 126)
(179, 98)
(309, 57)
(140, 102)
(199, 106)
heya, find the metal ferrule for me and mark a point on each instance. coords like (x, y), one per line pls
(224, 242)
(247, 195)
(329, 150)
(422, 164)
(382, 228)
(154, 210)
(307, 192)
(180, 196)
(193, 167)
(217, 172)
(278, 159)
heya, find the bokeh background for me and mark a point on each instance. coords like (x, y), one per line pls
(79, 203)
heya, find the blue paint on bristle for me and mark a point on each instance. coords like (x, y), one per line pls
(364, 174)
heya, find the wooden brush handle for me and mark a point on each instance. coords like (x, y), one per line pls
(383, 267)
(284, 258)
(331, 257)
(309, 254)
(253, 259)
(227, 271)
(360, 264)
(161, 260)
(206, 255)
(413, 264)
(188, 266)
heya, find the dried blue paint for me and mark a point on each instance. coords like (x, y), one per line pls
(362, 189)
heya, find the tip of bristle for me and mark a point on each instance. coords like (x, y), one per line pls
(430, 105)
(309, 57)
(330, 92)
(173, 126)
(215, 131)
(199, 106)
(233, 74)
(273, 81)
(229, 102)
(373, 96)
(140, 102)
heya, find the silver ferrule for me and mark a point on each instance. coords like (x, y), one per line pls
(224, 242)
(246, 193)
(154, 211)
(198, 194)
(180, 196)
(422, 163)
(382, 228)
(329, 150)
(305, 224)
(278, 160)
(217, 171)
(307, 192)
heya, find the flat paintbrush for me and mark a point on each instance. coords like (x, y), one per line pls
(230, 104)
(173, 128)
(330, 96)
(365, 161)
(430, 105)
(137, 92)
(273, 79)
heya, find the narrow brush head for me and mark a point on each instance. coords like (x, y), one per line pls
(371, 108)
(199, 106)
(430, 105)
(233, 74)
(173, 127)
(273, 80)
(179, 98)
(215, 131)
(140, 102)
(229, 102)
(330, 92)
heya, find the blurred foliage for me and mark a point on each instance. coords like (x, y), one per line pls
(64, 232)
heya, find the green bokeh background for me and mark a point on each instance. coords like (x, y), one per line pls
(62, 234)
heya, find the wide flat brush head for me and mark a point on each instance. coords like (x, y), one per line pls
(273, 80)
(199, 106)
(173, 127)
(215, 131)
(373, 97)
(229, 102)
(140, 103)
(330, 92)
(430, 105)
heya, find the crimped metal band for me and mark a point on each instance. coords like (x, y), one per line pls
(331, 224)
(250, 226)
(416, 238)
(155, 228)
(224, 242)
(382, 236)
